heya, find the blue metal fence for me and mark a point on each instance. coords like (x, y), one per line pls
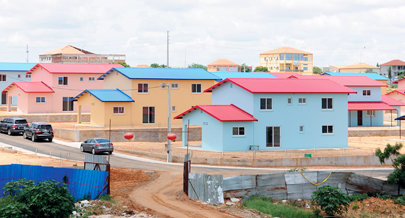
(80, 182)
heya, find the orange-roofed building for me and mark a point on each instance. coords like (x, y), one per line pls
(223, 65)
(71, 54)
(397, 67)
(355, 68)
(286, 59)
(142, 65)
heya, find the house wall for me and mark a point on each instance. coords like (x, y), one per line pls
(399, 97)
(238, 143)
(21, 99)
(228, 93)
(377, 120)
(12, 76)
(375, 94)
(310, 115)
(212, 129)
(116, 80)
(97, 109)
(384, 88)
(117, 119)
(274, 64)
(401, 85)
(39, 74)
(33, 107)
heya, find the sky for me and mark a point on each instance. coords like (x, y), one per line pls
(342, 32)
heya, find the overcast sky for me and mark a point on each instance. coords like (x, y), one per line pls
(340, 32)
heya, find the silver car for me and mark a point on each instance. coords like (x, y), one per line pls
(97, 145)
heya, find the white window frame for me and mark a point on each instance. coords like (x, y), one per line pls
(120, 110)
(174, 85)
(327, 130)
(92, 79)
(266, 100)
(302, 129)
(302, 100)
(142, 90)
(40, 100)
(290, 101)
(368, 93)
(239, 131)
(370, 113)
(327, 103)
(196, 84)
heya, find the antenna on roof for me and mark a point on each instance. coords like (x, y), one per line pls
(27, 53)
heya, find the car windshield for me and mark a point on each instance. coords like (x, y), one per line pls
(102, 140)
(20, 122)
(48, 127)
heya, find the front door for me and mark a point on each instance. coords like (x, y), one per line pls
(273, 136)
(359, 118)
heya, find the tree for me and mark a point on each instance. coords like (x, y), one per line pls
(156, 65)
(317, 70)
(194, 65)
(122, 63)
(398, 162)
(389, 73)
(331, 200)
(244, 68)
(377, 65)
(261, 69)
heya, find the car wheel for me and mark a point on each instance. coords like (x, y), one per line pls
(93, 151)
(110, 152)
(33, 138)
(50, 139)
(81, 148)
(25, 135)
(9, 131)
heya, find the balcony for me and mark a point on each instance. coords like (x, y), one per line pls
(88, 58)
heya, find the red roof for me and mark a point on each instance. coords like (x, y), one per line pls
(396, 81)
(62, 68)
(390, 101)
(31, 87)
(223, 113)
(285, 75)
(350, 81)
(269, 85)
(394, 63)
(368, 105)
(402, 92)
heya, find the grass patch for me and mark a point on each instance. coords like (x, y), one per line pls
(107, 198)
(266, 205)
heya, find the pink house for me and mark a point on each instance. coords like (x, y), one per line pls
(54, 85)
(399, 94)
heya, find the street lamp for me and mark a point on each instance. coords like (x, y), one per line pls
(185, 57)
(169, 122)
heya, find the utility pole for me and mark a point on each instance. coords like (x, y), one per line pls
(169, 121)
(167, 49)
(27, 53)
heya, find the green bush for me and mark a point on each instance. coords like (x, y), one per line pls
(355, 206)
(24, 198)
(331, 200)
(266, 205)
(358, 197)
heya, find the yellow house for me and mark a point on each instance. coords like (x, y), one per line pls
(286, 59)
(355, 68)
(142, 100)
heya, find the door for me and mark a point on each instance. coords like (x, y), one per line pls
(359, 118)
(273, 138)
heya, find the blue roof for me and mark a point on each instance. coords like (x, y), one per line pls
(164, 73)
(5, 66)
(107, 95)
(374, 76)
(224, 75)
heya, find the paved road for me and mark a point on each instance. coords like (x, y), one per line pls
(126, 161)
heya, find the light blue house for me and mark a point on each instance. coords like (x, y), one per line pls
(225, 75)
(13, 72)
(272, 114)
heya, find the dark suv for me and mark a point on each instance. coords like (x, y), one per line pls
(13, 125)
(39, 130)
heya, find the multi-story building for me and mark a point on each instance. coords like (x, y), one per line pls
(71, 54)
(223, 65)
(286, 59)
(397, 67)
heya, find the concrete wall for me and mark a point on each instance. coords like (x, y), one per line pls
(49, 117)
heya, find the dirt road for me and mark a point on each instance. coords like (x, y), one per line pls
(162, 197)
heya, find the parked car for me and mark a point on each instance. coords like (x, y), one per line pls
(38, 130)
(13, 125)
(97, 145)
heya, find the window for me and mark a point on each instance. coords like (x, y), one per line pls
(4, 98)
(327, 129)
(175, 85)
(195, 88)
(304, 57)
(327, 103)
(63, 81)
(148, 115)
(27, 75)
(273, 138)
(366, 92)
(19, 76)
(281, 56)
(302, 100)
(371, 113)
(238, 131)
(3, 77)
(173, 108)
(301, 129)
(143, 88)
(222, 69)
(265, 59)
(67, 104)
(296, 57)
(266, 103)
(118, 110)
(289, 101)
(233, 69)
(81, 79)
(91, 78)
(288, 57)
(40, 99)
(305, 68)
